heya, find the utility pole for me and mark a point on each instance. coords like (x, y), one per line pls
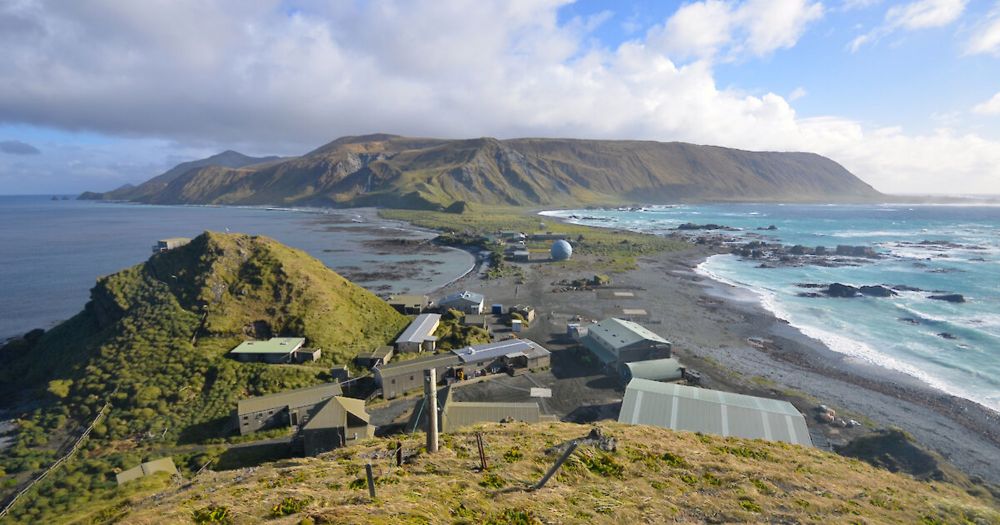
(430, 395)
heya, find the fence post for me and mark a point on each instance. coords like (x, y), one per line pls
(482, 452)
(371, 480)
(399, 454)
(562, 459)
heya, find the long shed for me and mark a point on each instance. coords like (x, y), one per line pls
(680, 407)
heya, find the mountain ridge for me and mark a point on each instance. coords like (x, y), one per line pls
(427, 173)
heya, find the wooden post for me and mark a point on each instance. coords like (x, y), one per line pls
(430, 394)
(482, 452)
(371, 480)
(552, 471)
(399, 454)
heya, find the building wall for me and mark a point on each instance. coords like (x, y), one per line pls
(408, 346)
(395, 385)
(317, 441)
(262, 420)
(276, 358)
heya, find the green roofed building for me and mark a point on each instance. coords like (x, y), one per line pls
(274, 350)
(617, 341)
(146, 469)
(680, 407)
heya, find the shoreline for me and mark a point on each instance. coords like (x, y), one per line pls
(964, 432)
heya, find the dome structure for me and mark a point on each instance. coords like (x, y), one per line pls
(561, 250)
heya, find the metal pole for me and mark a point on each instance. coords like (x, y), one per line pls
(552, 471)
(399, 454)
(371, 480)
(430, 393)
(482, 452)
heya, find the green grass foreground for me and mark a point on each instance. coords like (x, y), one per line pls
(653, 476)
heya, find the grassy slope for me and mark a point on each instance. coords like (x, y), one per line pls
(133, 346)
(655, 476)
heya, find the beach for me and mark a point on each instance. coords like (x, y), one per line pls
(709, 324)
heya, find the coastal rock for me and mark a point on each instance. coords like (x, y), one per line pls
(948, 335)
(841, 290)
(910, 320)
(693, 226)
(857, 251)
(877, 291)
(810, 294)
(769, 228)
(905, 288)
(951, 298)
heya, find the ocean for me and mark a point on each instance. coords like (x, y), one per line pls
(53, 251)
(902, 333)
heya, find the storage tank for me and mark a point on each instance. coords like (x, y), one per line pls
(561, 250)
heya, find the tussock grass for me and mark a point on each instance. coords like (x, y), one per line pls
(654, 476)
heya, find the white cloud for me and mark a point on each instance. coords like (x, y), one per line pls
(921, 14)
(752, 28)
(990, 107)
(255, 76)
(925, 14)
(986, 37)
(797, 93)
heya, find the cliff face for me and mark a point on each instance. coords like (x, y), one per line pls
(392, 171)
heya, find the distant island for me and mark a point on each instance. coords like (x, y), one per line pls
(437, 174)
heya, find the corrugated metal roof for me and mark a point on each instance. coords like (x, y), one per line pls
(290, 398)
(681, 407)
(655, 370)
(419, 364)
(614, 334)
(420, 329)
(490, 351)
(274, 345)
(464, 296)
(457, 414)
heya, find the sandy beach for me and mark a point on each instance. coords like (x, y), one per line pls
(709, 323)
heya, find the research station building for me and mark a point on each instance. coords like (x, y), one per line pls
(419, 335)
(340, 421)
(465, 301)
(275, 350)
(290, 408)
(616, 341)
(680, 407)
(409, 304)
(453, 415)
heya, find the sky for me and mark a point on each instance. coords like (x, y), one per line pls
(98, 93)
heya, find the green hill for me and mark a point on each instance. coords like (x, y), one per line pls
(402, 172)
(152, 342)
(651, 476)
(128, 192)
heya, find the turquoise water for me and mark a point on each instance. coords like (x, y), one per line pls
(869, 329)
(52, 252)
